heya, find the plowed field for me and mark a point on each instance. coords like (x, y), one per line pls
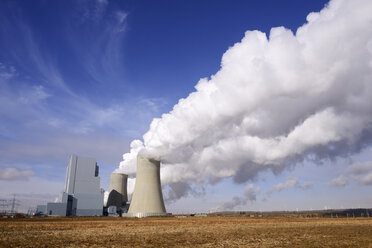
(186, 232)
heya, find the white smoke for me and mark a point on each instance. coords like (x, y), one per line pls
(130, 187)
(105, 198)
(275, 101)
(250, 194)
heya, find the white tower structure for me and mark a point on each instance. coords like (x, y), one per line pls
(147, 199)
(118, 190)
(83, 183)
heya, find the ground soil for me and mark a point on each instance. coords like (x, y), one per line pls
(186, 232)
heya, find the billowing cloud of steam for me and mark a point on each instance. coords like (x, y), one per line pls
(275, 101)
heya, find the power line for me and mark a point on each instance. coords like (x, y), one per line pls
(9, 206)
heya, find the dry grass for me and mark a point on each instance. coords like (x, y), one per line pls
(186, 232)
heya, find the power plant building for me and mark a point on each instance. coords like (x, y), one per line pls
(83, 195)
(83, 183)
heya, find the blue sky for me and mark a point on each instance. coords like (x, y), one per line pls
(87, 77)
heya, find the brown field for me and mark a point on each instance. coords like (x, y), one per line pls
(186, 232)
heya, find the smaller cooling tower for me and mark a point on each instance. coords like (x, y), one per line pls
(118, 190)
(147, 199)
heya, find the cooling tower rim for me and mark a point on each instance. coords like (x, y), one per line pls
(147, 157)
(119, 173)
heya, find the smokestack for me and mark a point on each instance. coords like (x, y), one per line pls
(147, 199)
(118, 190)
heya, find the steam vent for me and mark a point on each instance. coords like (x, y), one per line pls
(147, 199)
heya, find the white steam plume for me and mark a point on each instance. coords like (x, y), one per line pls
(274, 102)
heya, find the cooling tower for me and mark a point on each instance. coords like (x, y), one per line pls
(147, 199)
(118, 190)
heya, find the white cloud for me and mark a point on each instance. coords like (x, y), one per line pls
(274, 101)
(340, 181)
(103, 2)
(250, 192)
(290, 183)
(153, 103)
(121, 16)
(361, 172)
(92, 10)
(7, 72)
(13, 174)
(41, 62)
(35, 94)
(249, 195)
(306, 185)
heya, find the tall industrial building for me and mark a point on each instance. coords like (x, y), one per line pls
(147, 199)
(83, 183)
(83, 195)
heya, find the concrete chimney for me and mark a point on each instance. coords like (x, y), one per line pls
(118, 190)
(147, 199)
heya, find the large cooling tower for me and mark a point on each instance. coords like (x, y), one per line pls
(147, 199)
(118, 190)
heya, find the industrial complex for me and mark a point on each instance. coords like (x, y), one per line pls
(83, 195)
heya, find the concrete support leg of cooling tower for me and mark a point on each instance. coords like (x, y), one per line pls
(147, 199)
